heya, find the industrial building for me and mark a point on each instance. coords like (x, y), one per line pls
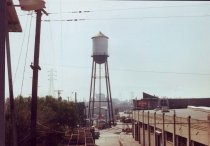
(177, 127)
(151, 102)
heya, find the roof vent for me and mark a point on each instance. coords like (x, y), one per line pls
(163, 104)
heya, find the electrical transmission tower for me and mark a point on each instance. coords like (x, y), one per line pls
(51, 75)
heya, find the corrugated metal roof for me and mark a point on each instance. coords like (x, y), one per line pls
(100, 34)
(13, 20)
(199, 113)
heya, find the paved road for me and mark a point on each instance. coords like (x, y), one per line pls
(110, 137)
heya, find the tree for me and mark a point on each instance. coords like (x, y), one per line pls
(54, 118)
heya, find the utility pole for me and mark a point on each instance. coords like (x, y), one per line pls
(75, 95)
(59, 93)
(11, 95)
(37, 6)
(35, 67)
(3, 29)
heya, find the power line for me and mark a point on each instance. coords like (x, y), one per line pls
(167, 72)
(122, 9)
(18, 63)
(52, 43)
(129, 18)
(134, 8)
(71, 12)
(61, 42)
(48, 20)
(154, 7)
(26, 57)
(139, 70)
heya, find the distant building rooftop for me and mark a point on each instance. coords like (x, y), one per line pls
(200, 113)
(150, 102)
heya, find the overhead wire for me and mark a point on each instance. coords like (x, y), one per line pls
(122, 9)
(130, 18)
(27, 137)
(138, 70)
(167, 72)
(49, 55)
(52, 42)
(154, 7)
(125, 18)
(51, 70)
(22, 43)
(49, 128)
(61, 43)
(26, 56)
(137, 18)
(79, 11)
(134, 8)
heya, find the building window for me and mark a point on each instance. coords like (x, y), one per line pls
(182, 141)
(151, 129)
(140, 124)
(169, 136)
(197, 143)
(145, 126)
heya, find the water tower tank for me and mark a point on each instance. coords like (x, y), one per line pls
(100, 48)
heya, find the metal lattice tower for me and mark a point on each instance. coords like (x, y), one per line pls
(51, 75)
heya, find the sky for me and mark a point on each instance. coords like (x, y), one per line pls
(158, 47)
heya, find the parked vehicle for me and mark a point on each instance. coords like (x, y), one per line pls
(96, 134)
(102, 124)
(127, 130)
(128, 120)
(122, 119)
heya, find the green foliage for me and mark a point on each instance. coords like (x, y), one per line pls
(54, 117)
(58, 114)
(80, 107)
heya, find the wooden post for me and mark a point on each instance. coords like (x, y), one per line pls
(133, 124)
(189, 130)
(155, 139)
(3, 31)
(174, 126)
(138, 126)
(148, 129)
(163, 131)
(35, 67)
(11, 95)
(208, 128)
(143, 129)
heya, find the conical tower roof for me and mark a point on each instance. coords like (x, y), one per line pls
(100, 34)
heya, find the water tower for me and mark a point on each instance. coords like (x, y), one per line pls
(100, 56)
